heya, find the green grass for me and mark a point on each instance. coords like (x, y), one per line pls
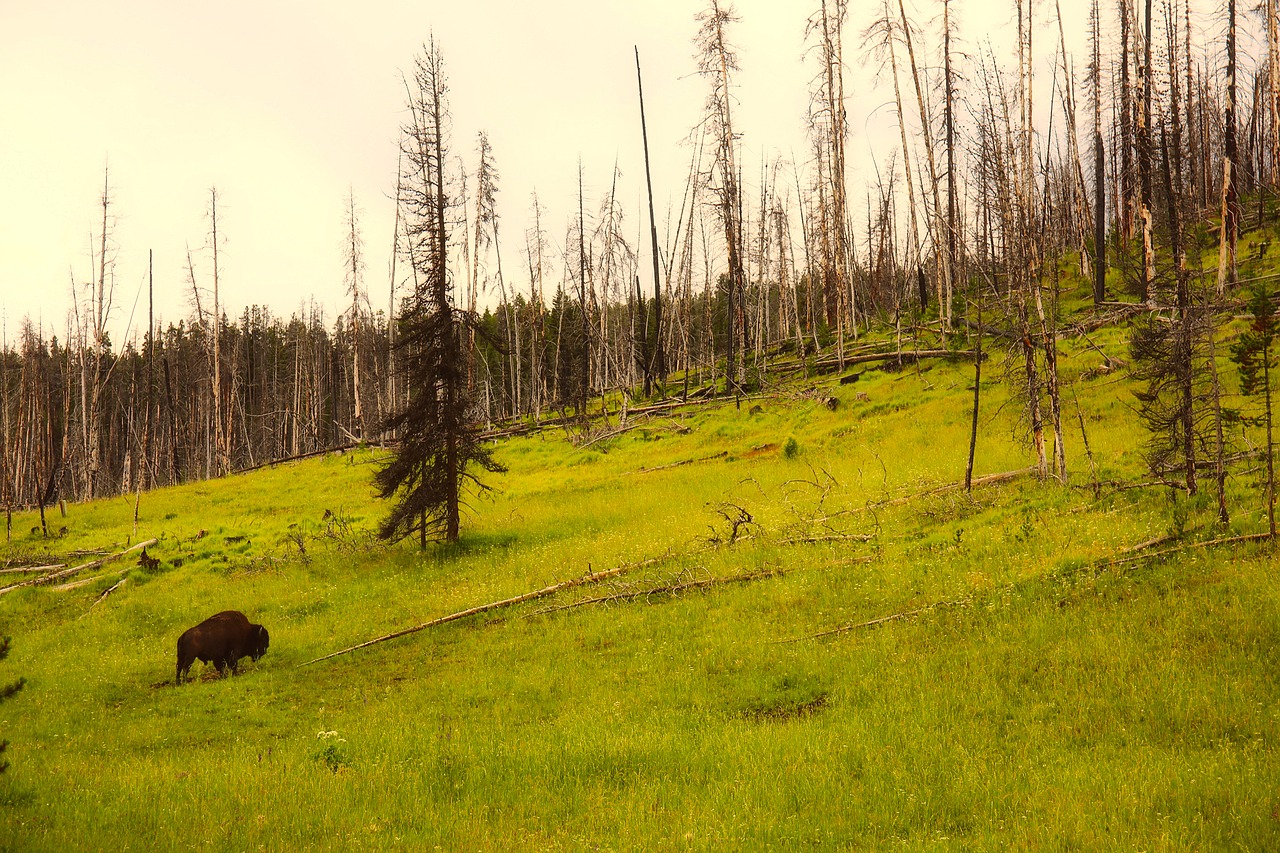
(1041, 699)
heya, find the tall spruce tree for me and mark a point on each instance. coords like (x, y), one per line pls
(439, 448)
(1252, 352)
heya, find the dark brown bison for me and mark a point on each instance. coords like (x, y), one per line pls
(222, 639)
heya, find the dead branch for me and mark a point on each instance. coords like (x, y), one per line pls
(905, 356)
(590, 578)
(33, 570)
(988, 480)
(110, 590)
(53, 576)
(1230, 540)
(834, 537)
(342, 448)
(607, 435)
(880, 620)
(670, 589)
(720, 455)
(907, 614)
(1150, 543)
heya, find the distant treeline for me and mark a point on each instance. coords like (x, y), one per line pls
(86, 421)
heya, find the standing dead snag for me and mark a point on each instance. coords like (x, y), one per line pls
(658, 365)
(354, 270)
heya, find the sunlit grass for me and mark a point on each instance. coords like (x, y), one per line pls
(1040, 698)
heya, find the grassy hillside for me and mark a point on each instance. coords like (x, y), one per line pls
(1035, 685)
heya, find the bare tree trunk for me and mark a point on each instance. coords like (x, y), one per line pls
(221, 437)
(658, 367)
(1144, 166)
(355, 261)
(1099, 164)
(1230, 191)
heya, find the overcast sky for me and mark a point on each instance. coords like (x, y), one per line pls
(284, 105)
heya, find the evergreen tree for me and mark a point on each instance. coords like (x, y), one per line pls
(7, 692)
(438, 445)
(1253, 354)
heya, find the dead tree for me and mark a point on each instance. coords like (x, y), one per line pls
(657, 366)
(716, 61)
(353, 249)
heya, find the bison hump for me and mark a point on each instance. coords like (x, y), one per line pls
(229, 617)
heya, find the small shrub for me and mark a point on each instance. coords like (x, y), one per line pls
(331, 752)
(791, 449)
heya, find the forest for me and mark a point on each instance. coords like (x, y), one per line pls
(1159, 148)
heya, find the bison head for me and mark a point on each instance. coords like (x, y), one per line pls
(258, 642)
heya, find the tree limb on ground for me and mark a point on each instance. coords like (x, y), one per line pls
(33, 570)
(77, 569)
(670, 589)
(1133, 551)
(1230, 540)
(104, 595)
(905, 356)
(590, 578)
(720, 455)
(987, 480)
(879, 620)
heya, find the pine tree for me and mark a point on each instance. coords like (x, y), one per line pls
(438, 445)
(1252, 352)
(6, 692)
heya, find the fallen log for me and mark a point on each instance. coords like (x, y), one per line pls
(53, 576)
(669, 589)
(720, 455)
(110, 590)
(1134, 552)
(879, 620)
(33, 570)
(591, 577)
(905, 356)
(1230, 540)
(986, 480)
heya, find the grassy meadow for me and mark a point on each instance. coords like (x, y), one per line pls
(1036, 687)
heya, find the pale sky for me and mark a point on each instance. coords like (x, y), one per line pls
(284, 105)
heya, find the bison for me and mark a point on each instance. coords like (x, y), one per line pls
(222, 639)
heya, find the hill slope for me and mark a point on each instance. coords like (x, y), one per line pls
(813, 639)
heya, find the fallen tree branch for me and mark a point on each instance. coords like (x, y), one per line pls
(905, 356)
(987, 480)
(590, 578)
(33, 570)
(342, 448)
(670, 589)
(1230, 540)
(104, 595)
(608, 434)
(720, 455)
(53, 576)
(1132, 550)
(880, 620)
(1150, 543)
(834, 537)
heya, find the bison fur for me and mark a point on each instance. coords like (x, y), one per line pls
(222, 639)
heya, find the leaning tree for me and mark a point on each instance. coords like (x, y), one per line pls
(439, 447)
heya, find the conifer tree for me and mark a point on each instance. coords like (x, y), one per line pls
(438, 446)
(1253, 354)
(6, 692)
